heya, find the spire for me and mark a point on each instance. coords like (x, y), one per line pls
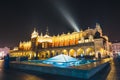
(88, 27)
(68, 33)
(41, 34)
(47, 31)
(34, 33)
(34, 29)
(58, 35)
(98, 28)
(81, 30)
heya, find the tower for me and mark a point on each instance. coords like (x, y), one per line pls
(34, 37)
(98, 29)
(47, 32)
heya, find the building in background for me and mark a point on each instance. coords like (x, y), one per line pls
(86, 42)
(3, 52)
(116, 48)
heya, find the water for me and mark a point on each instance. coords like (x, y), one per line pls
(62, 64)
(13, 74)
(62, 60)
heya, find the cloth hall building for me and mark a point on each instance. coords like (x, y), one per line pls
(85, 42)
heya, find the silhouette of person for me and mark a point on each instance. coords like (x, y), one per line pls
(6, 61)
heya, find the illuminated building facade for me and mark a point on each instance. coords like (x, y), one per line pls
(88, 42)
(3, 52)
(116, 48)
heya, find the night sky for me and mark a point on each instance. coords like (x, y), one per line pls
(18, 18)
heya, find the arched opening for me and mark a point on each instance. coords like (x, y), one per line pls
(53, 53)
(43, 54)
(80, 51)
(90, 51)
(102, 52)
(23, 53)
(31, 55)
(28, 53)
(58, 52)
(65, 52)
(47, 54)
(72, 53)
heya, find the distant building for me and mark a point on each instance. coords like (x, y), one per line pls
(116, 48)
(88, 42)
(4, 51)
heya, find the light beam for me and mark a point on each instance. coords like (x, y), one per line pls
(68, 17)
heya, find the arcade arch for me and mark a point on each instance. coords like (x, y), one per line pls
(47, 54)
(65, 52)
(90, 51)
(42, 54)
(72, 53)
(53, 53)
(80, 51)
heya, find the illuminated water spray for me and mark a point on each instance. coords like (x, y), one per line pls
(68, 17)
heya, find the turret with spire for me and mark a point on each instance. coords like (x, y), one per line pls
(34, 34)
(34, 37)
(98, 29)
(47, 31)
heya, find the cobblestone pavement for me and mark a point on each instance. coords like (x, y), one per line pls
(109, 73)
(114, 73)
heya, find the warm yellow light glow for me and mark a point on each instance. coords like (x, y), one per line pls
(65, 52)
(80, 51)
(82, 42)
(25, 45)
(90, 51)
(34, 34)
(72, 52)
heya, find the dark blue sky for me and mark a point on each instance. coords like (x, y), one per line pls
(19, 18)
